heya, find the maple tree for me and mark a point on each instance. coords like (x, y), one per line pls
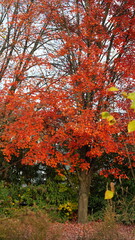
(58, 61)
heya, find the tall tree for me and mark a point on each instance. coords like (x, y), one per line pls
(56, 119)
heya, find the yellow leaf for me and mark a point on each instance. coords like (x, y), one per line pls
(131, 126)
(131, 96)
(109, 194)
(124, 94)
(132, 105)
(105, 115)
(111, 120)
(113, 89)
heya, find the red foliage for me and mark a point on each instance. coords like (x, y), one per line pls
(61, 58)
(93, 230)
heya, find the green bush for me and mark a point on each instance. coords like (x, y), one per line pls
(126, 211)
(97, 216)
(60, 200)
(47, 196)
(125, 202)
(97, 191)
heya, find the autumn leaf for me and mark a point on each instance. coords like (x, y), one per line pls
(131, 96)
(111, 120)
(108, 117)
(124, 94)
(132, 105)
(109, 194)
(105, 115)
(113, 89)
(131, 126)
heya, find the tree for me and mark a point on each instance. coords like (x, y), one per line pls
(56, 119)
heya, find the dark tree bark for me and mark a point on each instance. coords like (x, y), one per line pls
(85, 178)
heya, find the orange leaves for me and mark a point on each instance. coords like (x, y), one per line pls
(60, 60)
(85, 166)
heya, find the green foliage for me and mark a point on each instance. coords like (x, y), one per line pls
(47, 196)
(12, 195)
(18, 173)
(7, 195)
(59, 200)
(58, 191)
(125, 202)
(126, 211)
(96, 198)
(96, 216)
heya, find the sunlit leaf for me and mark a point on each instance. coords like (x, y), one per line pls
(124, 94)
(105, 115)
(132, 105)
(113, 89)
(109, 194)
(131, 126)
(108, 117)
(111, 120)
(131, 96)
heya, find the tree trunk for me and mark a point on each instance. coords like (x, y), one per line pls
(84, 190)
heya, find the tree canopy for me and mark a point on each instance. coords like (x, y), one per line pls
(58, 60)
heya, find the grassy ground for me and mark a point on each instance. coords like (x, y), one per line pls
(37, 226)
